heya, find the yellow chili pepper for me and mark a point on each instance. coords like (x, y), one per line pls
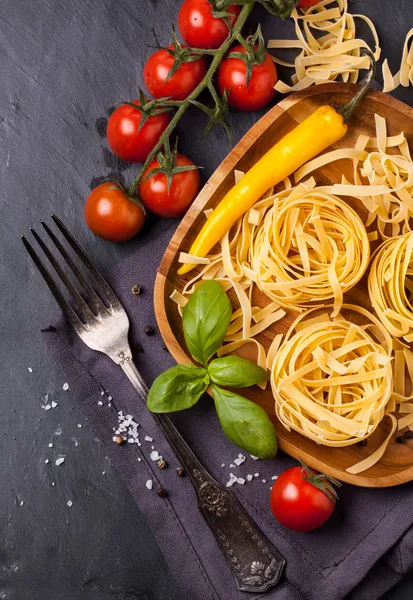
(316, 133)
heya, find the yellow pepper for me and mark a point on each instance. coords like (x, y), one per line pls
(316, 133)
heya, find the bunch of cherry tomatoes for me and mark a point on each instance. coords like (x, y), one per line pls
(135, 128)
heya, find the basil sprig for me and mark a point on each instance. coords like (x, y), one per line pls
(206, 318)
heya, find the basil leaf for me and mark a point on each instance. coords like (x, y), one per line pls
(234, 371)
(177, 388)
(245, 423)
(206, 318)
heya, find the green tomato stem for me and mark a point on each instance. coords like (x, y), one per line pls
(206, 82)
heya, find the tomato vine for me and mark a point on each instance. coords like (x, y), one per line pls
(217, 113)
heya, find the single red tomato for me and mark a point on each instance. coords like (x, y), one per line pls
(307, 3)
(199, 28)
(232, 77)
(111, 215)
(127, 139)
(181, 84)
(301, 500)
(183, 190)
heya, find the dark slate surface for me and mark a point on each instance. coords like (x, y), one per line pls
(62, 66)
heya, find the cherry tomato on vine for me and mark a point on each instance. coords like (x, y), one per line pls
(232, 77)
(128, 139)
(307, 3)
(111, 215)
(302, 500)
(181, 83)
(199, 28)
(183, 190)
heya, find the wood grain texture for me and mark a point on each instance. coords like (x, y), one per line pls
(396, 466)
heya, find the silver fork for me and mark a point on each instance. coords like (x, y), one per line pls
(100, 320)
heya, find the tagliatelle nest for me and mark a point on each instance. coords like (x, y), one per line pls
(310, 247)
(390, 285)
(332, 380)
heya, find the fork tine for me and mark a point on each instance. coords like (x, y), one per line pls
(97, 303)
(101, 283)
(84, 310)
(68, 311)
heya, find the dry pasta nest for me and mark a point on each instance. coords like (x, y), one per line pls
(390, 285)
(332, 380)
(310, 247)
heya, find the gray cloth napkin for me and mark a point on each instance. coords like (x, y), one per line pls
(365, 548)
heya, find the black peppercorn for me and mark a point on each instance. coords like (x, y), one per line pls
(363, 443)
(149, 330)
(408, 435)
(400, 439)
(161, 492)
(138, 347)
(136, 290)
(180, 472)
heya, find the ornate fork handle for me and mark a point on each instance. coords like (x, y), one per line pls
(252, 559)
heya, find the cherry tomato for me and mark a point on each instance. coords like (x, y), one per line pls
(181, 84)
(111, 215)
(127, 140)
(297, 503)
(199, 28)
(307, 3)
(232, 76)
(183, 191)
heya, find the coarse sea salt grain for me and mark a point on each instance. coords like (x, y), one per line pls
(249, 477)
(110, 398)
(100, 403)
(47, 407)
(223, 465)
(256, 474)
(65, 387)
(155, 455)
(148, 438)
(46, 462)
(149, 484)
(264, 480)
(53, 483)
(54, 404)
(231, 466)
(238, 461)
(69, 503)
(21, 503)
(274, 477)
(241, 480)
(139, 458)
(103, 472)
(50, 445)
(79, 425)
(254, 457)
(60, 461)
(30, 369)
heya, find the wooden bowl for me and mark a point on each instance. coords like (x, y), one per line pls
(396, 466)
